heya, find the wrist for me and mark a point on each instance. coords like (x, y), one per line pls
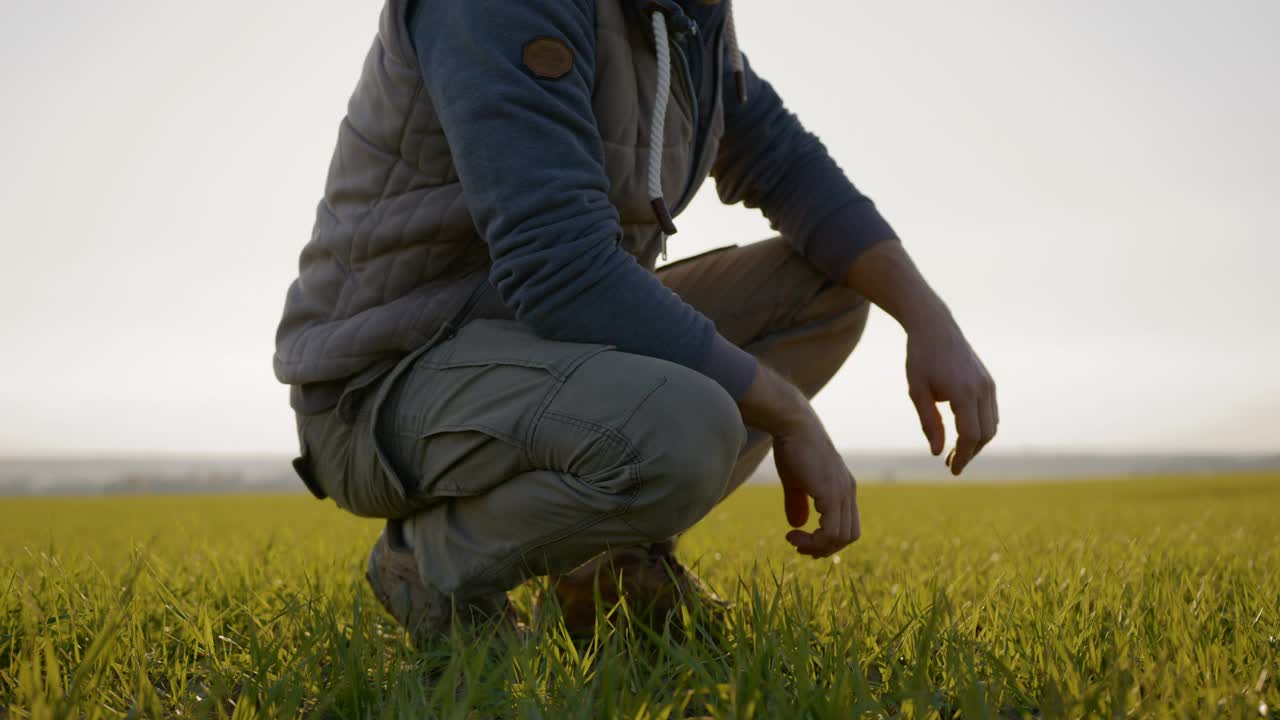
(886, 276)
(774, 405)
(925, 315)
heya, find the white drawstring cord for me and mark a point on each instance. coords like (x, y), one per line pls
(735, 55)
(658, 126)
(662, 97)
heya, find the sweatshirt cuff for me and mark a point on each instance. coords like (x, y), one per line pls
(845, 234)
(731, 366)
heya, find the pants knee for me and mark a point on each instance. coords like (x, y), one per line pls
(695, 434)
(826, 332)
(845, 311)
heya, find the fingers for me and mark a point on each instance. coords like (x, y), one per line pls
(818, 544)
(823, 542)
(930, 418)
(982, 410)
(838, 525)
(846, 523)
(796, 504)
(805, 543)
(852, 524)
(857, 519)
(827, 535)
(987, 418)
(809, 467)
(968, 432)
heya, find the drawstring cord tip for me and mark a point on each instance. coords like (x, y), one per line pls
(663, 216)
(740, 80)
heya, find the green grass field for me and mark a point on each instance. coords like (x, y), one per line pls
(1147, 598)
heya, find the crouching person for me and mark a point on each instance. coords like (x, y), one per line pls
(481, 351)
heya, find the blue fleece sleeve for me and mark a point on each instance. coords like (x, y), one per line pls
(530, 160)
(768, 160)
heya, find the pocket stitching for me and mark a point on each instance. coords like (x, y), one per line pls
(463, 427)
(549, 368)
(553, 537)
(602, 430)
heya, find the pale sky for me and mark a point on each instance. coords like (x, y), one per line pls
(1092, 186)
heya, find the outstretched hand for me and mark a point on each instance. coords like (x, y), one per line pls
(808, 464)
(810, 467)
(942, 367)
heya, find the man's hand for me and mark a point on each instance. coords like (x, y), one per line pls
(810, 467)
(941, 366)
(807, 463)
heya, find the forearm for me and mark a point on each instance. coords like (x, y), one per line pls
(886, 275)
(772, 404)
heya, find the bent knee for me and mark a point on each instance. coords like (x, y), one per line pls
(843, 310)
(688, 436)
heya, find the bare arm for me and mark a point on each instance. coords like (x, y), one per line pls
(808, 465)
(941, 366)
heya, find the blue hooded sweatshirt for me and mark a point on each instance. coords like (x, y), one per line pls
(530, 160)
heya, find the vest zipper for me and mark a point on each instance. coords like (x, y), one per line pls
(692, 95)
(717, 71)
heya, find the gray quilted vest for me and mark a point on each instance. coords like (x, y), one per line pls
(394, 254)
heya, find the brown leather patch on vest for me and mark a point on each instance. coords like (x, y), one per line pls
(548, 58)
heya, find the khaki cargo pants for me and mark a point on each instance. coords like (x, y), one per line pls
(516, 456)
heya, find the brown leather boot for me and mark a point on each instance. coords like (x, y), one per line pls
(424, 613)
(650, 577)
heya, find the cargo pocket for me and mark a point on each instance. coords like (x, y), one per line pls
(459, 421)
(332, 460)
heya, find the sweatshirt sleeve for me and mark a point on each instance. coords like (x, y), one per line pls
(530, 160)
(768, 160)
